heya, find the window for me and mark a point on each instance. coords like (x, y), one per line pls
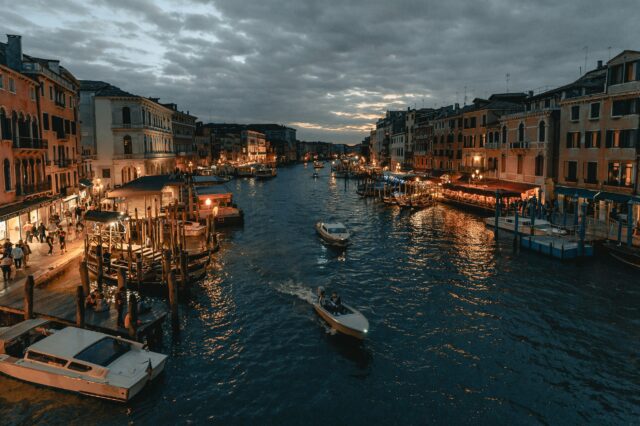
(106, 173)
(520, 163)
(12, 85)
(615, 74)
(547, 103)
(571, 168)
(573, 139)
(76, 366)
(619, 174)
(1, 82)
(51, 93)
(104, 351)
(484, 120)
(466, 123)
(542, 131)
(7, 174)
(503, 163)
(126, 115)
(575, 113)
(625, 107)
(630, 71)
(504, 134)
(592, 139)
(594, 110)
(496, 137)
(622, 138)
(521, 132)
(472, 122)
(591, 172)
(539, 166)
(45, 121)
(46, 359)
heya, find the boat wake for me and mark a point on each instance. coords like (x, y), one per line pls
(297, 289)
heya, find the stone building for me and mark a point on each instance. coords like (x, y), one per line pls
(130, 135)
(183, 125)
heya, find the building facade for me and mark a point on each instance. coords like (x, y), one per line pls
(130, 135)
(183, 126)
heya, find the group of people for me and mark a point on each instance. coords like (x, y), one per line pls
(333, 305)
(96, 301)
(17, 256)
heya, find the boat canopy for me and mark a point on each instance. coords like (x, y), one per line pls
(9, 334)
(103, 216)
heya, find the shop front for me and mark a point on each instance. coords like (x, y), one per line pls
(17, 219)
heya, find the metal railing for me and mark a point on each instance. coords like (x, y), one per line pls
(34, 188)
(30, 143)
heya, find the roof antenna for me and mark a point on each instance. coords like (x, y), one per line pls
(609, 49)
(465, 95)
(507, 76)
(586, 54)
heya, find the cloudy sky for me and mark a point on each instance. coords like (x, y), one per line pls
(328, 68)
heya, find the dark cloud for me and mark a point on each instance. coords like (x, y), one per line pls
(328, 66)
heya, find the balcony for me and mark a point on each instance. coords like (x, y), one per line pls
(30, 143)
(143, 155)
(30, 189)
(62, 163)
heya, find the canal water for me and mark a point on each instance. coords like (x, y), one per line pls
(463, 331)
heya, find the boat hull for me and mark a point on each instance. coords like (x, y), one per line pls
(331, 241)
(13, 368)
(336, 325)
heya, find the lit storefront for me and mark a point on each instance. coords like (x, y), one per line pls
(15, 219)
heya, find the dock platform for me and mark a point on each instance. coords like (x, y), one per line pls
(556, 246)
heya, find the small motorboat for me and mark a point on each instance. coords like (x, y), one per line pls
(315, 175)
(342, 318)
(77, 360)
(333, 233)
(318, 165)
(264, 173)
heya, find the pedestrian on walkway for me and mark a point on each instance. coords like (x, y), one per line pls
(27, 251)
(62, 239)
(5, 264)
(18, 255)
(42, 233)
(49, 241)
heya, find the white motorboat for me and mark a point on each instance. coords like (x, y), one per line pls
(318, 165)
(77, 360)
(344, 318)
(333, 233)
(540, 226)
(264, 173)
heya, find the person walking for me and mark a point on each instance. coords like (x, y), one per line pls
(42, 233)
(49, 241)
(5, 264)
(27, 251)
(18, 255)
(62, 235)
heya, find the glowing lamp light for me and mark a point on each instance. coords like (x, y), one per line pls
(208, 201)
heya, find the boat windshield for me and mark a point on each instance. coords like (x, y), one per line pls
(104, 351)
(337, 230)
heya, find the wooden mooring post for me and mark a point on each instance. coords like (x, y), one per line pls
(122, 278)
(84, 275)
(28, 297)
(100, 272)
(133, 315)
(184, 269)
(173, 300)
(80, 306)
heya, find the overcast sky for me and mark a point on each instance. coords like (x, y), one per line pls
(328, 68)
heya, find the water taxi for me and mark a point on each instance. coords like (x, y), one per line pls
(264, 173)
(540, 226)
(77, 360)
(333, 233)
(342, 318)
(318, 165)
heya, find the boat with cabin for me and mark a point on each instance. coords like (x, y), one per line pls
(334, 233)
(218, 201)
(77, 360)
(265, 172)
(341, 317)
(540, 226)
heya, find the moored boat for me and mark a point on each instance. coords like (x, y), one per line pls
(623, 253)
(318, 165)
(540, 226)
(77, 360)
(333, 233)
(341, 317)
(264, 173)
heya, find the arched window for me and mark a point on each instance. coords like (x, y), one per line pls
(542, 131)
(126, 144)
(539, 165)
(126, 115)
(521, 132)
(459, 137)
(504, 134)
(490, 137)
(7, 174)
(496, 137)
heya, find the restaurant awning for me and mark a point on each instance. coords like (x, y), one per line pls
(145, 185)
(482, 190)
(591, 194)
(104, 216)
(13, 210)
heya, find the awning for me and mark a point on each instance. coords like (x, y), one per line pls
(86, 183)
(482, 190)
(209, 190)
(8, 212)
(591, 194)
(145, 185)
(104, 216)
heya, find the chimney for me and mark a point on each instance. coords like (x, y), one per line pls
(14, 52)
(530, 93)
(600, 64)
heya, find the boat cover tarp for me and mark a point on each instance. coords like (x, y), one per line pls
(103, 216)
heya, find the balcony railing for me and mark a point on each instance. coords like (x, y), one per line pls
(64, 162)
(35, 188)
(30, 143)
(137, 155)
